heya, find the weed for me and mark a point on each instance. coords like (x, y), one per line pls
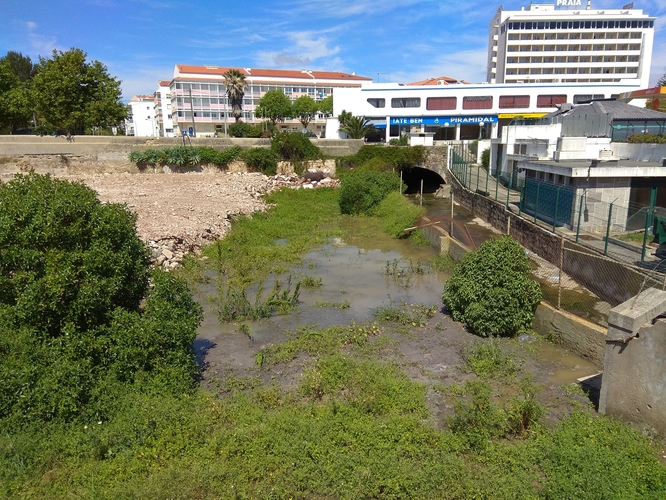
(240, 384)
(337, 305)
(245, 330)
(234, 305)
(524, 413)
(488, 359)
(310, 282)
(406, 314)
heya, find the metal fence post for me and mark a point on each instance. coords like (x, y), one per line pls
(477, 179)
(645, 233)
(487, 176)
(557, 202)
(608, 226)
(580, 212)
(522, 199)
(536, 202)
(508, 192)
(496, 183)
(559, 284)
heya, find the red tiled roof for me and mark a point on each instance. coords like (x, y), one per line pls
(139, 97)
(275, 73)
(164, 83)
(435, 81)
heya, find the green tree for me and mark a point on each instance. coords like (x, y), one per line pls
(326, 105)
(305, 109)
(491, 291)
(235, 83)
(20, 65)
(15, 102)
(357, 127)
(662, 81)
(274, 106)
(71, 94)
(344, 117)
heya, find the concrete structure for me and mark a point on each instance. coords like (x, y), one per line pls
(573, 149)
(458, 111)
(633, 386)
(141, 120)
(163, 109)
(569, 42)
(200, 90)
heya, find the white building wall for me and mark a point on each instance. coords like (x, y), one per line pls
(560, 44)
(143, 117)
(163, 111)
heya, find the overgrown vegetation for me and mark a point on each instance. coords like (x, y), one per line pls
(397, 158)
(350, 427)
(72, 334)
(485, 158)
(234, 305)
(647, 139)
(295, 147)
(397, 213)
(488, 359)
(362, 191)
(491, 291)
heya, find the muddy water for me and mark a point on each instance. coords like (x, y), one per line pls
(363, 269)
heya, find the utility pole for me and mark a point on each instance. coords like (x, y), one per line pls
(194, 125)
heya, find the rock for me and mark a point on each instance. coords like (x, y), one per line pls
(167, 253)
(161, 259)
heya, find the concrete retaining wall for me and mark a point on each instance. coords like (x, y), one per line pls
(582, 337)
(633, 385)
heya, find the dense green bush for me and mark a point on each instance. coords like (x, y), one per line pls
(72, 275)
(491, 292)
(260, 159)
(647, 139)
(485, 158)
(397, 157)
(242, 129)
(294, 146)
(396, 214)
(361, 191)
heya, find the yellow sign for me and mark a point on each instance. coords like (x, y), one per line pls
(520, 115)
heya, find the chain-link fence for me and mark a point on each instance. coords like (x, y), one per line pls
(607, 252)
(624, 232)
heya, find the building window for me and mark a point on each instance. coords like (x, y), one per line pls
(549, 101)
(406, 102)
(377, 103)
(514, 101)
(478, 102)
(586, 97)
(441, 103)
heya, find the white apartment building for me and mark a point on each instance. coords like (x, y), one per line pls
(141, 120)
(163, 109)
(200, 91)
(570, 42)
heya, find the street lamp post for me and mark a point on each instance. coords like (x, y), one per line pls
(226, 112)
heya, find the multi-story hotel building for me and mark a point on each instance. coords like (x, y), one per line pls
(570, 42)
(140, 119)
(200, 91)
(163, 119)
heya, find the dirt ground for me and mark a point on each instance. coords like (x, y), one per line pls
(191, 207)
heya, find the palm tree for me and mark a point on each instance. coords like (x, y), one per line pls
(235, 83)
(357, 127)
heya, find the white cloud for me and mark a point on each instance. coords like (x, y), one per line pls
(306, 48)
(41, 44)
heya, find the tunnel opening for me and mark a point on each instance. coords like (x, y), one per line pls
(412, 178)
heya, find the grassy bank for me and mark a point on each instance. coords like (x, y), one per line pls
(335, 412)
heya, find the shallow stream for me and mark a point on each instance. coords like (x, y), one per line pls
(360, 272)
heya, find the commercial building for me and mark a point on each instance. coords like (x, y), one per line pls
(199, 101)
(458, 111)
(570, 42)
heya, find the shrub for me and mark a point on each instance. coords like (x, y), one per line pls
(397, 157)
(294, 146)
(491, 292)
(485, 158)
(396, 214)
(647, 139)
(263, 160)
(487, 359)
(72, 275)
(185, 156)
(361, 191)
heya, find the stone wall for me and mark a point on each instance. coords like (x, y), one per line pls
(437, 159)
(20, 153)
(633, 385)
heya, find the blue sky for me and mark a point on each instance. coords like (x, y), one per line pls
(402, 41)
